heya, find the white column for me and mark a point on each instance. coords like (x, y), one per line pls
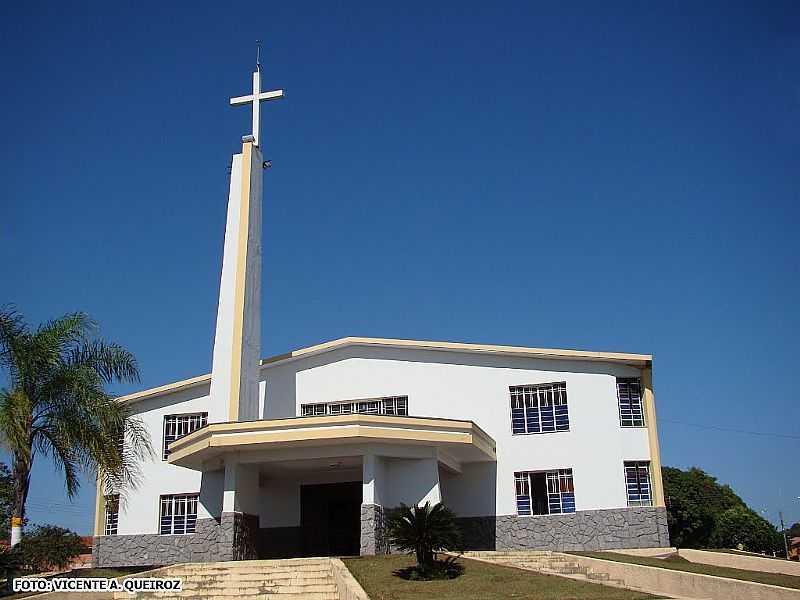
(230, 500)
(235, 371)
(373, 480)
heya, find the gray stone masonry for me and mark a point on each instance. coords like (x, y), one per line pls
(636, 527)
(231, 538)
(373, 530)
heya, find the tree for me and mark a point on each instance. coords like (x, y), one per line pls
(6, 499)
(56, 406)
(742, 528)
(694, 501)
(702, 513)
(423, 530)
(47, 548)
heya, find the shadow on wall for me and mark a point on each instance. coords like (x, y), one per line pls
(472, 495)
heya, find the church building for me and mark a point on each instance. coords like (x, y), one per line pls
(304, 453)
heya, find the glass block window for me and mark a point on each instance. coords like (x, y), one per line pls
(111, 514)
(391, 405)
(544, 492)
(178, 514)
(177, 426)
(539, 408)
(631, 409)
(637, 482)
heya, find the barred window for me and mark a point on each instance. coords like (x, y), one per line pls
(112, 514)
(629, 394)
(313, 410)
(178, 514)
(544, 492)
(539, 408)
(391, 405)
(395, 405)
(177, 426)
(637, 482)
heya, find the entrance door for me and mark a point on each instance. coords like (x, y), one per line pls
(330, 517)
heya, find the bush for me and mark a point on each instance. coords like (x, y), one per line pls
(744, 529)
(424, 531)
(46, 548)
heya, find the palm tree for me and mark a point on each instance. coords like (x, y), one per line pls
(55, 405)
(423, 530)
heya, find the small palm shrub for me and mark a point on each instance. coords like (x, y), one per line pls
(424, 531)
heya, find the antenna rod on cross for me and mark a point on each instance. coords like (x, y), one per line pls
(258, 54)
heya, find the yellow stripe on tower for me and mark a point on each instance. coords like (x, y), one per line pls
(241, 276)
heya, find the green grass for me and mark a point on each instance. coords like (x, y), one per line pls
(480, 581)
(677, 563)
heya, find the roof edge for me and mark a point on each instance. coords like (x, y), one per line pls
(638, 360)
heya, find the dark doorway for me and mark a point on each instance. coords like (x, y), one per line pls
(330, 519)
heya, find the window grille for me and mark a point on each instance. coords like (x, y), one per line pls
(112, 514)
(391, 405)
(539, 408)
(313, 410)
(178, 514)
(631, 411)
(177, 426)
(544, 492)
(637, 482)
(395, 405)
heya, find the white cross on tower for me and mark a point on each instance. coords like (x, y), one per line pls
(256, 98)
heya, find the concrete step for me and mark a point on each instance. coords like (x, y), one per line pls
(273, 576)
(236, 592)
(247, 596)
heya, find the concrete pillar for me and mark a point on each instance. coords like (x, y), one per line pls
(373, 527)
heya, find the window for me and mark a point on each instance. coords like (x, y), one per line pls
(391, 405)
(637, 482)
(545, 492)
(177, 426)
(112, 514)
(629, 394)
(178, 514)
(539, 408)
(313, 410)
(396, 405)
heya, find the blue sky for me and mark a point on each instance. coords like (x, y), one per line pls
(614, 177)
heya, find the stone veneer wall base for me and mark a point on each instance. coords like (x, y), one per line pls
(230, 538)
(635, 527)
(373, 530)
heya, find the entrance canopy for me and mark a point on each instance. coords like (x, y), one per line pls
(454, 441)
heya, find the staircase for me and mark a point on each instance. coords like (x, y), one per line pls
(292, 579)
(552, 563)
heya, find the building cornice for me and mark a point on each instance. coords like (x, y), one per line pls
(635, 360)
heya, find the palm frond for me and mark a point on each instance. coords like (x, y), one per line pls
(111, 362)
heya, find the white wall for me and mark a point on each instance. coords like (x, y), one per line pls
(438, 384)
(140, 510)
(468, 386)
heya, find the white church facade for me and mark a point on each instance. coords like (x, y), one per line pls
(303, 454)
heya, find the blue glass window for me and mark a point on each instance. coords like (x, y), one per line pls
(539, 408)
(637, 483)
(544, 492)
(629, 395)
